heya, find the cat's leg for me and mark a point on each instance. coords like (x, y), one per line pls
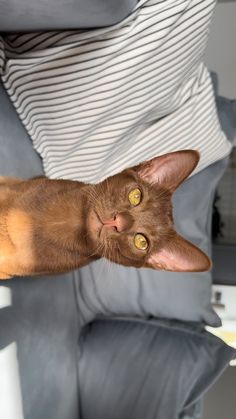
(5, 251)
(4, 276)
(8, 256)
(8, 180)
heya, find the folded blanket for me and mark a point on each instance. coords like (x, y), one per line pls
(97, 101)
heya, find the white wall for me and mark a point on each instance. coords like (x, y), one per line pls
(10, 389)
(221, 51)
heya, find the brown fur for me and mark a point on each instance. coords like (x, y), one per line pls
(53, 226)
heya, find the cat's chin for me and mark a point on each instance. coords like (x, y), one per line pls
(94, 223)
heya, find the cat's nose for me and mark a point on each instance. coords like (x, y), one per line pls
(120, 222)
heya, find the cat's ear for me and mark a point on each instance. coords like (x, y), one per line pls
(169, 170)
(179, 255)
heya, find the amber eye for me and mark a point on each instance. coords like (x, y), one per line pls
(135, 196)
(140, 242)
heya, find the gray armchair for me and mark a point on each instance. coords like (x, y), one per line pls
(87, 346)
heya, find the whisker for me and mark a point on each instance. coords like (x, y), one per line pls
(99, 249)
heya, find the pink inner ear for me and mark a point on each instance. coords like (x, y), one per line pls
(170, 262)
(180, 256)
(169, 170)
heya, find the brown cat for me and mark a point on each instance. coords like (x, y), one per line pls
(53, 226)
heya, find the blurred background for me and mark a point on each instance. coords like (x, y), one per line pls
(220, 401)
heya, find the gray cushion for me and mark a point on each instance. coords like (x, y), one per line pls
(227, 115)
(226, 111)
(136, 371)
(105, 289)
(28, 15)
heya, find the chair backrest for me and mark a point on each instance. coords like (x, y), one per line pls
(39, 15)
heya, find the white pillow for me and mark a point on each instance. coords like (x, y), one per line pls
(97, 101)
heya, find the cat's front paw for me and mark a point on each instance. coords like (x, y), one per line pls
(4, 276)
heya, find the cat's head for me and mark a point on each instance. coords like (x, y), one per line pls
(131, 220)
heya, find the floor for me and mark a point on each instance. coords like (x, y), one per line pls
(220, 402)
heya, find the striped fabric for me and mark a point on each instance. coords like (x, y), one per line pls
(95, 102)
